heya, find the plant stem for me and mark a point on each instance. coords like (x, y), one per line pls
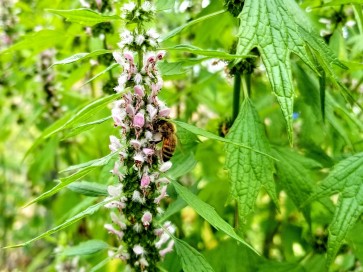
(236, 95)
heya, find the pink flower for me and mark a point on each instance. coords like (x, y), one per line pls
(111, 229)
(168, 249)
(138, 250)
(148, 151)
(130, 110)
(114, 190)
(152, 111)
(129, 56)
(135, 143)
(160, 55)
(145, 181)
(162, 195)
(118, 116)
(115, 143)
(139, 157)
(139, 90)
(118, 57)
(146, 219)
(164, 112)
(138, 78)
(139, 120)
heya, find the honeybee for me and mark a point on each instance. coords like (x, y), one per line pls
(168, 138)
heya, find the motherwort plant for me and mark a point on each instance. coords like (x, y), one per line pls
(138, 114)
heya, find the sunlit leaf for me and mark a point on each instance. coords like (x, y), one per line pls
(84, 16)
(86, 248)
(81, 56)
(346, 178)
(248, 170)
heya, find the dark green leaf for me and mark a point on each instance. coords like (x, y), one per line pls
(88, 188)
(191, 259)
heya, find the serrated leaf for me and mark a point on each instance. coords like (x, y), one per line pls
(294, 177)
(346, 178)
(88, 188)
(86, 248)
(81, 56)
(189, 24)
(203, 52)
(201, 132)
(191, 259)
(84, 16)
(278, 28)
(90, 210)
(208, 213)
(249, 171)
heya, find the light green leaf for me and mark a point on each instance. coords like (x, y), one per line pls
(97, 162)
(84, 127)
(341, 2)
(86, 248)
(90, 210)
(191, 259)
(171, 68)
(249, 171)
(346, 178)
(164, 4)
(113, 65)
(208, 53)
(84, 16)
(278, 28)
(74, 118)
(82, 56)
(209, 135)
(88, 188)
(208, 213)
(184, 26)
(83, 168)
(37, 41)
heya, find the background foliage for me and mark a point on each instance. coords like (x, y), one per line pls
(301, 210)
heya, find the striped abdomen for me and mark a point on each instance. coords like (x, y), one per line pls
(169, 145)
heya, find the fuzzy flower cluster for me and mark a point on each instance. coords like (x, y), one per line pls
(135, 200)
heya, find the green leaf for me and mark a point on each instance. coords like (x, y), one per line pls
(171, 68)
(191, 259)
(113, 65)
(341, 2)
(97, 162)
(89, 188)
(294, 177)
(37, 41)
(84, 127)
(278, 28)
(209, 53)
(83, 168)
(346, 178)
(86, 248)
(249, 171)
(184, 26)
(208, 213)
(164, 4)
(74, 118)
(81, 56)
(90, 210)
(209, 135)
(84, 16)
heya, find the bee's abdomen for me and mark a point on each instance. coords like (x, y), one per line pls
(168, 148)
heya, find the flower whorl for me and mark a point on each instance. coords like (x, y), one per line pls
(138, 169)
